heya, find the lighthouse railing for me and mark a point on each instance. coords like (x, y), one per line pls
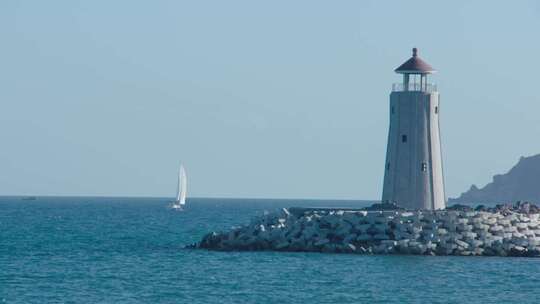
(414, 87)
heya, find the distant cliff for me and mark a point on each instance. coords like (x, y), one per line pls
(522, 182)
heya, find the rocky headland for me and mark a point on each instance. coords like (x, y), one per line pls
(520, 183)
(513, 230)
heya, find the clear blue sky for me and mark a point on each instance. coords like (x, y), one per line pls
(278, 99)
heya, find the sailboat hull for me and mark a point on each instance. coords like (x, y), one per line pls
(176, 206)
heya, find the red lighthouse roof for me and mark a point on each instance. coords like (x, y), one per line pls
(415, 65)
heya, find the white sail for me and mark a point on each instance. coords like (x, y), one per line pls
(181, 190)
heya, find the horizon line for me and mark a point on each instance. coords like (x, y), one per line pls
(193, 197)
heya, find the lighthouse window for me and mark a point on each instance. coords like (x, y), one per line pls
(392, 110)
(424, 166)
(404, 138)
(436, 110)
(387, 166)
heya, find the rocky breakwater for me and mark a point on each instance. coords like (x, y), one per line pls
(450, 232)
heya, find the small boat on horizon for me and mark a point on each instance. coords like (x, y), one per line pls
(181, 190)
(29, 198)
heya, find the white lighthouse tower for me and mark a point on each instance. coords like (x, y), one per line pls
(413, 176)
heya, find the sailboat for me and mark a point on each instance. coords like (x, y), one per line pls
(180, 190)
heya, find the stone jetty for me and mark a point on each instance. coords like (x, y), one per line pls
(445, 232)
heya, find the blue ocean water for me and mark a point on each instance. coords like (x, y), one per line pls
(131, 250)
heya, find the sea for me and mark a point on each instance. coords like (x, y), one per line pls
(132, 250)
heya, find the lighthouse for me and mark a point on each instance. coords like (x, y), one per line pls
(413, 172)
